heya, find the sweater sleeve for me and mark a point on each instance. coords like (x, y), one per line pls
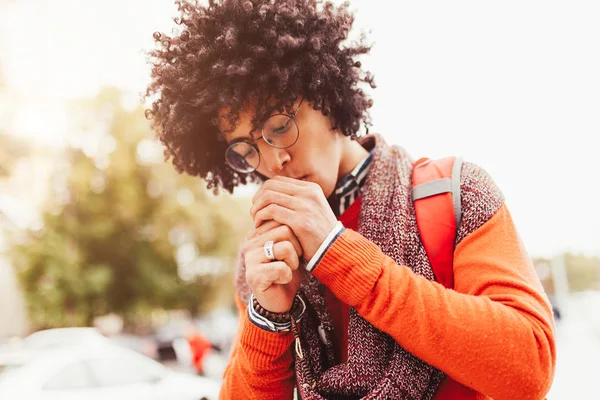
(260, 365)
(492, 333)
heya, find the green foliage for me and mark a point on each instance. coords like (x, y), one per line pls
(10, 151)
(113, 226)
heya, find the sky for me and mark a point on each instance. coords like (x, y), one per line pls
(512, 86)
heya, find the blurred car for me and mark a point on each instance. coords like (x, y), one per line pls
(102, 371)
(57, 337)
(142, 344)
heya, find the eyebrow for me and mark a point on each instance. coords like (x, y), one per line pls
(247, 139)
(239, 139)
(269, 112)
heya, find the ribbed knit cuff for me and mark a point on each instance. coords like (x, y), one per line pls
(350, 267)
(265, 348)
(336, 231)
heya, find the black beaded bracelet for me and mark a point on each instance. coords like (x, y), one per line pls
(277, 317)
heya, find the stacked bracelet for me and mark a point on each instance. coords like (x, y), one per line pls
(283, 317)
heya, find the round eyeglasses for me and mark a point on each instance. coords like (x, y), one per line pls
(279, 130)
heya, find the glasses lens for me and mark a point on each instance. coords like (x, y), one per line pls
(280, 131)
(242, 157)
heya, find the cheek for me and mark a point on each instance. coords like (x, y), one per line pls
(326, 174)
(264, 171)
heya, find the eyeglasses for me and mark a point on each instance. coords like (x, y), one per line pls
(279, 130)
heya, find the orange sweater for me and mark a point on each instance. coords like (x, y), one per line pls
(492, 335)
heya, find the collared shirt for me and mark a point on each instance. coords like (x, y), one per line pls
(349, 188)
(345, 193)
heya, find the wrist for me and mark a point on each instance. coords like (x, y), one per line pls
(275, 322)
(335, 232)
(278, 317)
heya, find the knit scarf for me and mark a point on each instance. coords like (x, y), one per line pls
(377, 366)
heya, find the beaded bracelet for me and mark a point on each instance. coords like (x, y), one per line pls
(277, 317)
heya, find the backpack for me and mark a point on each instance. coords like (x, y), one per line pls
(436, 197)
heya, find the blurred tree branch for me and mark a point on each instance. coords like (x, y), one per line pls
(11, 151)
(120, 224)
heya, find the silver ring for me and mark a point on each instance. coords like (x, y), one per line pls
(268, 247)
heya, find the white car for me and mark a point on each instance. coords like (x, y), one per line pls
(59, 337)
(48, 338)
(95, 372)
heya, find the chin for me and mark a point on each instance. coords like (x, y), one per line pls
(327, 189)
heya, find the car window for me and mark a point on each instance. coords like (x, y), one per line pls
(124, 370)
(74, 376)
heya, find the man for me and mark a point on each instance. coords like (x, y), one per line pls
(336, 294)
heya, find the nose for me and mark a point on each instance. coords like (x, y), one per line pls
(274, 159)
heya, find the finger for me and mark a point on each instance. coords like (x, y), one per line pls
(267, 197)
(265, 227)
(282, 251)
(282, 233)
(285, 251)
(262, 276)
(293, 181)
(275, 212)
(290, 187)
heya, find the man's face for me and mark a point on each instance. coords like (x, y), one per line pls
(315, 157)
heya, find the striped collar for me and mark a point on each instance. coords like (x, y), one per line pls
(349, 188)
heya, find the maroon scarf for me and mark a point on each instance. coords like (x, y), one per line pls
(377, 366)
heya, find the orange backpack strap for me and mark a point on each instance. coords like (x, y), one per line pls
(436, 196)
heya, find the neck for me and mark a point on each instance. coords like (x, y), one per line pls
(352, 154)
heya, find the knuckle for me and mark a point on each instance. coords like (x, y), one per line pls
(276, 270)
(292, 257)
(280, 269)
(251, 277)
(284, 233)
(246, 247)
(303, 224)
(250, 245)
(253, 257)
(266, 186)
(262, 212)
(313, 189)
(287, 231)
(288, 249)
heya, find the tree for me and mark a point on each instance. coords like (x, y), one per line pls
(11, 150)
(118, 225)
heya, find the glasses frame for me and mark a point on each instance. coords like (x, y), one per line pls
(252, 142)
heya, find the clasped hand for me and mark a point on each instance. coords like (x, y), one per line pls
(296, 216)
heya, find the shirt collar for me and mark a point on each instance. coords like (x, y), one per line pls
(349, 188)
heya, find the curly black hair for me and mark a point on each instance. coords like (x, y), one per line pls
(229, 53)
